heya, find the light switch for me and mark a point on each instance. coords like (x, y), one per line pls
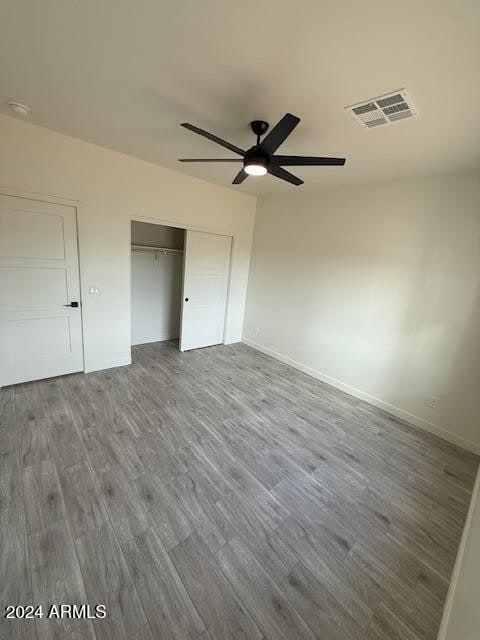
(93, 290)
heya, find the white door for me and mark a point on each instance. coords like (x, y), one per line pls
(40, 336)
(205, 285)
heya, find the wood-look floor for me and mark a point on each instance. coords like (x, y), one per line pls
(220, 494)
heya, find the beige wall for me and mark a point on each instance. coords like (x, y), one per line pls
(112, 188)
(376, 288)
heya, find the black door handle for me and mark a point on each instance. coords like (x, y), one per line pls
(72, 304)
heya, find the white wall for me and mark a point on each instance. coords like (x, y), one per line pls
(112, 188)
(376, 288)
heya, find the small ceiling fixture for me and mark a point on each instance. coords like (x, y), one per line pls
(261, 159)
(19, 108)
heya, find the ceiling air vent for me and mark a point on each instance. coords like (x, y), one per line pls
(383, 110)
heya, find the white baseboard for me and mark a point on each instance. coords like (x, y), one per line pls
(149, 339)
(107, 364)
(362, 395)
(443, 632)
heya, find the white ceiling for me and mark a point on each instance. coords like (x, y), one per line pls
(124, 74)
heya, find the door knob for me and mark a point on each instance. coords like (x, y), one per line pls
(72, 304)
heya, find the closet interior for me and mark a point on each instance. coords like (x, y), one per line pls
(156, 281)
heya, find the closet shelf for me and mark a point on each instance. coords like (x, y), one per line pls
(161, 250)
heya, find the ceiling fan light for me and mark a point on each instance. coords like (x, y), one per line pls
(255, 169)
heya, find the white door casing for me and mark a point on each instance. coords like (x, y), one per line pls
(40, 337)
(205, 285)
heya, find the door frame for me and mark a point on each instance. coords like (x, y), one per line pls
(186, 227)
(76, 205)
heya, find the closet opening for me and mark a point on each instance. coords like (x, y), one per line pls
(156, 282)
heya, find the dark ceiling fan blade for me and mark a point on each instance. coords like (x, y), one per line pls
(284, 175)
(307, 161)
(213, 138)
(240, 177)
(279, 133)
(210, 160)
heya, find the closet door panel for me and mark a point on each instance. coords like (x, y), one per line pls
(205, 286)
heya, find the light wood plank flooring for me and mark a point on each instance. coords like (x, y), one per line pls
(220, 494)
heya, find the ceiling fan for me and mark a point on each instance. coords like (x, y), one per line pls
(261, 159)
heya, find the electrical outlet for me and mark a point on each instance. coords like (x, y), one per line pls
(433, 402)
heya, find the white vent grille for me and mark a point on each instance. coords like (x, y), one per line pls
(384, 110)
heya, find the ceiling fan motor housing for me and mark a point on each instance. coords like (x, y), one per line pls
(256, 156)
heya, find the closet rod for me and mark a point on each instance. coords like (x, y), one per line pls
(162, 250)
